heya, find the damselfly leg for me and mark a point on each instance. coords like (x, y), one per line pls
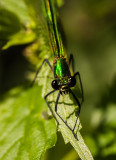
(38, 70)
(45, 97)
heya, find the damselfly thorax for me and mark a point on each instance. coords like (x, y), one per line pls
(63, 80)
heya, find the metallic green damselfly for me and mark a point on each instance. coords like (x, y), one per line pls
(63, 80)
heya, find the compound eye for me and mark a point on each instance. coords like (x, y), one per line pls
(72, 81)
(55, 85)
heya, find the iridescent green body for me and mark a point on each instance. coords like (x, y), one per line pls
(61, 70)
(60, 64)
(62, 73)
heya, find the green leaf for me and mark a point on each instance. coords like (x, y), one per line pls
(22, 37)
(18, 8)
(15, 23)
(9, 24)
(66, 109)
(24, 133)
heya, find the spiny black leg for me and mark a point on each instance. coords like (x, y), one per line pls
(60, 116)
(49, 106)
(79, 108)
(71, 59)
(78, 74)
(45, 60)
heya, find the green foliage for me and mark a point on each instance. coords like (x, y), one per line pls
(90, 28)
(15, 23)
(66, 108)
(19, 9)
(19, 38)
(24, 133)
(9, 24)
(32, 117)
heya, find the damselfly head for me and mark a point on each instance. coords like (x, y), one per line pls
(64, 84)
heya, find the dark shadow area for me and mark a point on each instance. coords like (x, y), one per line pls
(112, 157)
(13, 68)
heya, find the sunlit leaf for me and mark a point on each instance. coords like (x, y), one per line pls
(24, 133)
(18, 8)
(9, 24)
(22, 37)
(66, 109)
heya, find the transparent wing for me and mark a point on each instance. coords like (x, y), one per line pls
(48, 25)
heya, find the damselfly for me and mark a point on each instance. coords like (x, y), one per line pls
(63, 80)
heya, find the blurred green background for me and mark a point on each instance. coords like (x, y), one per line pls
(90, 29)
